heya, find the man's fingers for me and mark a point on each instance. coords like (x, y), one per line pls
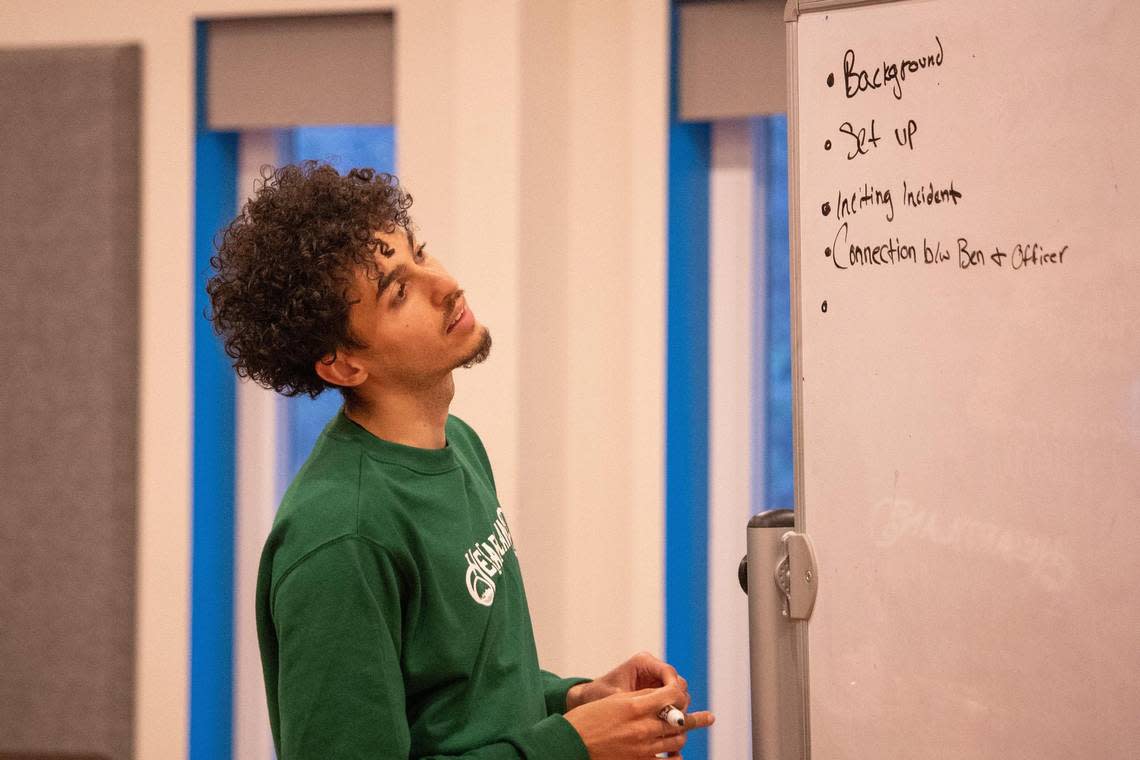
(652, 700)
(669, 744)
(702, 719)
(693, 721)
(652, 669)
(685, 699)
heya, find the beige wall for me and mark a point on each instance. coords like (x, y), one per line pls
(533, 136)
(592, 349)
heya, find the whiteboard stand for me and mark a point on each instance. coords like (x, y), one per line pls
(779, 576)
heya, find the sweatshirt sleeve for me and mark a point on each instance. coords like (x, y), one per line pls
(338, 622)
(552, 738)
(340, 689)
(554, 688)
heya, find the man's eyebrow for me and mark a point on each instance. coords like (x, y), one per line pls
(387, 279)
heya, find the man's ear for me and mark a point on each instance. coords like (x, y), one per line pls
(341, 368)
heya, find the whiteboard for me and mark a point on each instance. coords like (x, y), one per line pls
(967, 336)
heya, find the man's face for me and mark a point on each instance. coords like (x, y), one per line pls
(412, 315)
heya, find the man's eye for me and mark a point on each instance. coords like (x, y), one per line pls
(401, 292)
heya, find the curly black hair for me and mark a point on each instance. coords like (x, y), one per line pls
(279, 297)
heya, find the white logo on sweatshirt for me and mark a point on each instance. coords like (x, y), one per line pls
(485, 561)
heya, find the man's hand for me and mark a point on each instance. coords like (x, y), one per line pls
(642, 671)
(626, 723)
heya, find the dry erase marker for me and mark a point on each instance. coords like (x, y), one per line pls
(672, 716)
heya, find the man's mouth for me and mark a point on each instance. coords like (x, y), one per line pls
(458, 316)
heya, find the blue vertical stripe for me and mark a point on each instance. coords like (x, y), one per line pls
(211, 598)
(687, 402)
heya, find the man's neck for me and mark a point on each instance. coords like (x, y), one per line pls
(412, 417)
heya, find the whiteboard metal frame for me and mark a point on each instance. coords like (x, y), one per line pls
(801, 722)
(794, 8)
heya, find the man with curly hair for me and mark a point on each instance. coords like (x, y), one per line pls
(390, 607)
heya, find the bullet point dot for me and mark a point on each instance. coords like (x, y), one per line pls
(827, 145)
(825, 208)
(830, 80)
(826, 251)
(823, 308)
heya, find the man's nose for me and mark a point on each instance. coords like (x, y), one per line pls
(442, 285)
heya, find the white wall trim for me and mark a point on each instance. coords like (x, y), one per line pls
(731, 346)
(255, 504)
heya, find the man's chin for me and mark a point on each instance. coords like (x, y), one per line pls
(480, 353)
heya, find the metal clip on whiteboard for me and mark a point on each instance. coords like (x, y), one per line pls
(796, 576)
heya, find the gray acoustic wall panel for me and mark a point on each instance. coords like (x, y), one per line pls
(69, 260)
(268, 72)
(732, 59)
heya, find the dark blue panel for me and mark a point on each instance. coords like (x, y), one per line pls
(211, 613)
(687, 391)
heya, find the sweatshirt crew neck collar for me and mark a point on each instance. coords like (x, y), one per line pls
(427, 461)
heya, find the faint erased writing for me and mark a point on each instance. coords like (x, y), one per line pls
(1043, 557)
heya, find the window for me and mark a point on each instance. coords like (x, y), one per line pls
(771, 159)
(301, 419)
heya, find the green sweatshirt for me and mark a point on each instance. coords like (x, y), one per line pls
(391, 613)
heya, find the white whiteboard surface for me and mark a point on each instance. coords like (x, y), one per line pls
(968, 437)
